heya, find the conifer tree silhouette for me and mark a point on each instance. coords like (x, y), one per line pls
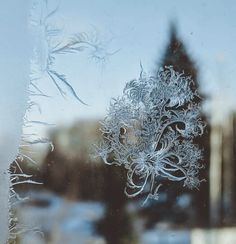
(176, 55)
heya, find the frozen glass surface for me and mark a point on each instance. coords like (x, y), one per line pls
(62, 65)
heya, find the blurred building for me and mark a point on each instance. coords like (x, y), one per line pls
(223, 172)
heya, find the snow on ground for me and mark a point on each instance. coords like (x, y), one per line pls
(59, 221)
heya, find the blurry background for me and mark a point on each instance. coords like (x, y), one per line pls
(82, 200)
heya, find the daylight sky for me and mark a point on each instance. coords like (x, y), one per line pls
(137, 31)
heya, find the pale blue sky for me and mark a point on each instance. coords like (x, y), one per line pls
(139, 29)
(14, 67)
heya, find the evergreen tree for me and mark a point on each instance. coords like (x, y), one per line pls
(176, 55)
(197, 213)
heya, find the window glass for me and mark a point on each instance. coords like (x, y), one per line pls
(129, 127)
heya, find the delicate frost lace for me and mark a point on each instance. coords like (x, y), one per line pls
(149, 130)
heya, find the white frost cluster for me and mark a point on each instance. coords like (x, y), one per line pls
(149, 130)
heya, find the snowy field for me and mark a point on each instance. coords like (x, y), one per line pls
(52, 219)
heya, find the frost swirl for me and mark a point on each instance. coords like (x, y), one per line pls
(150, 129)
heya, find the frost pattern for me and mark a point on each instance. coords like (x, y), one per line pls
(48, 44)
(150, 129)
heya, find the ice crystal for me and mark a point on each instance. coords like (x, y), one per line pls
(150, 129)
(50, 42)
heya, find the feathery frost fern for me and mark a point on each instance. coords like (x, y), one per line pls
(48, 43)
(149, 130)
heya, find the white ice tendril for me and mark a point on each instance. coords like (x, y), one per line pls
(150, 129)
(48, 42)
